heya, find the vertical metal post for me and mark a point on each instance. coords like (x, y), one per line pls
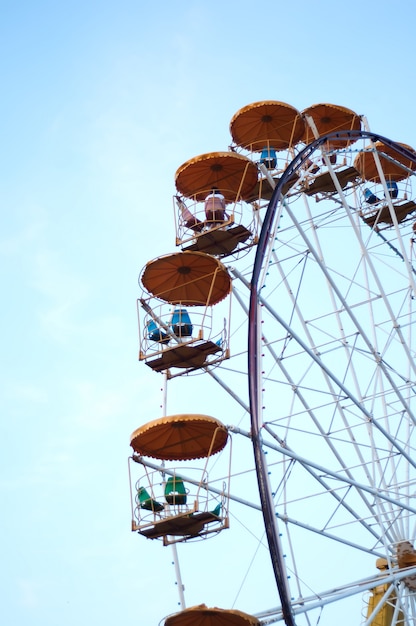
(179, 583)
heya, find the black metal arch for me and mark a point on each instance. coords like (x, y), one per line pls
(254, 351)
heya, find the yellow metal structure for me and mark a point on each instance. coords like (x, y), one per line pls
(385, 616)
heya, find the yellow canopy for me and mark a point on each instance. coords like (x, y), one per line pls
(269, 123)
(188, 278)
(392, 170)
(180, 437)
(203, 616)
(234, 175)
(330, 118)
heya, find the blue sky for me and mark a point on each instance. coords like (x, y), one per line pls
(101, 102)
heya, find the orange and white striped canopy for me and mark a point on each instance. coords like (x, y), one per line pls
(204, 616)
(234, 175)
(395, 166)
(180, 437)
(330, 118)
(269, 123)
(188, 278)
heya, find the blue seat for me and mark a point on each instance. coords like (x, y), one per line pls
(181, 323)
(156, 334)
(370, 197)
(393, 189)
(268, 158)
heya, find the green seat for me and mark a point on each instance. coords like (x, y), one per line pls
(146, 502)
(217, 510)
(175, 492)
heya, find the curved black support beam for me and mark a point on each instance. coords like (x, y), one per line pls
(254, 350)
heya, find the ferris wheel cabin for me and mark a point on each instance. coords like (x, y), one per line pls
(176, 503)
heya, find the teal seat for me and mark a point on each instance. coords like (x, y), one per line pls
(175, 492)
(217, 510)
(144, 501)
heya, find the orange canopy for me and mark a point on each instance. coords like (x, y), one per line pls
(269, 123)
(180, 437)
(234, 175)
(203, 616)
(188, 278)
(330, 118)
(392, 169)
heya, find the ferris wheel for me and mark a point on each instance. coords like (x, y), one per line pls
(306, 223)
